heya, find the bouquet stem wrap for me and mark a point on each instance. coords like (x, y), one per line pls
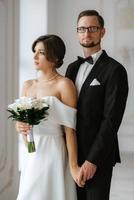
(30, 140)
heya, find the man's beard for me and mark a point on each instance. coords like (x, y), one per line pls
(92, 44)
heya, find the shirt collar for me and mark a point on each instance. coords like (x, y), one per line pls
(96, 55)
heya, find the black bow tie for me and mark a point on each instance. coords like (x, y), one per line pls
(88, 59)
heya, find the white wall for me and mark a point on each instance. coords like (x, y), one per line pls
(33, 23)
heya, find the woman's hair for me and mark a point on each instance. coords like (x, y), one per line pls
(54, 48)
(92, 13)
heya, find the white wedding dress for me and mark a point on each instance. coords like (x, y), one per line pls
(45, 174)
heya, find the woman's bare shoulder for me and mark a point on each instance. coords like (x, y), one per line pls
(64, 81)
(68, 91)
(28, 83)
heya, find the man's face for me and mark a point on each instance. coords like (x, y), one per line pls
(90, 37)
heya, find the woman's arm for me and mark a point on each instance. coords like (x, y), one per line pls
(21, 127)
(71, 143)
(69, 97)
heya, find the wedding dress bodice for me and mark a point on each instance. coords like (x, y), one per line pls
(58, 114)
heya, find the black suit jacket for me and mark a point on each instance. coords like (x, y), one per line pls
(100, 110)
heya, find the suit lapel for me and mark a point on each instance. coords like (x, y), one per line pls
(74, 72)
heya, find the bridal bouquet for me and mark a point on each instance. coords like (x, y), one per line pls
(31, 111)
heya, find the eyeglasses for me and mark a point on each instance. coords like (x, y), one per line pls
(90, 29)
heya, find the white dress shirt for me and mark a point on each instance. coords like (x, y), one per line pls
(84, 71)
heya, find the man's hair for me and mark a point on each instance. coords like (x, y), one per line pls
(91, 13)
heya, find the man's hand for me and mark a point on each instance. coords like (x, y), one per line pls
(87, 172)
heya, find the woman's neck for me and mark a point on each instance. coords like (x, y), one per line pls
(48, 76)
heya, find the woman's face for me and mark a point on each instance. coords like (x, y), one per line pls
(40, 59)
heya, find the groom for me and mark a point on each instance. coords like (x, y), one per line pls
(102, 87)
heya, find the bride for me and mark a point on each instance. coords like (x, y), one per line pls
(46, 173)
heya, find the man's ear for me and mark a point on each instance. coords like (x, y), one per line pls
(103, 31)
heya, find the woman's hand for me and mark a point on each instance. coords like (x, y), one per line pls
(23, 128)
(75, 171)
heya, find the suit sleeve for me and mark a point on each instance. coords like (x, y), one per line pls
(67, 73)
(116, 93)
